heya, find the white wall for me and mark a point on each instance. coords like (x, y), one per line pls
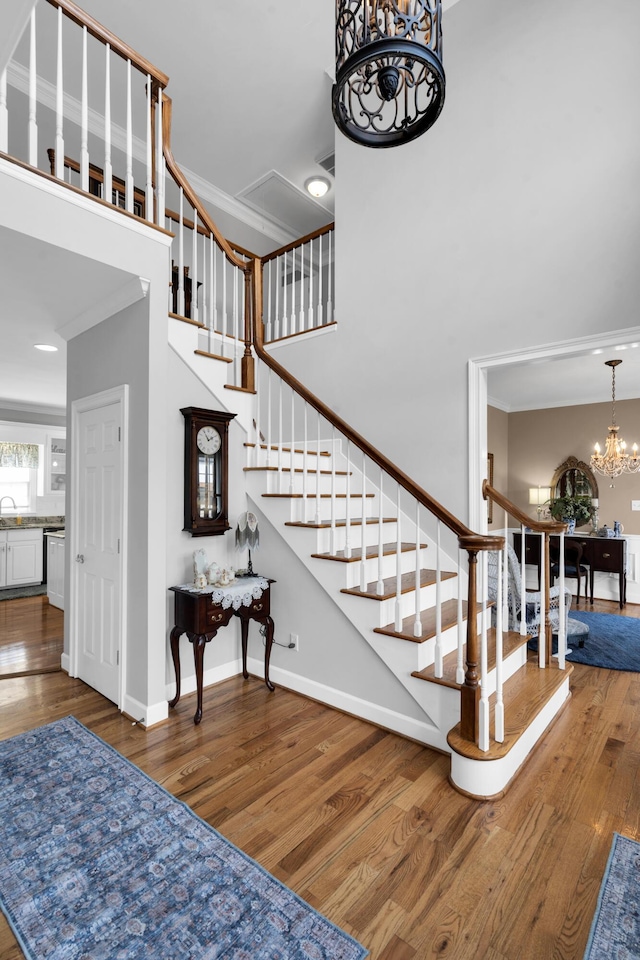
(514, 221)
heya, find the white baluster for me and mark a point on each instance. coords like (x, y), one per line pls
(277, 330)
(506, 616)
(4, 113)
(128, 183)
(148, 192)
(181, 254)
(305, 464)
(160, 164)
(562, 622)
(194, 261)
(380, 583)
(33, 76)
(285, 329)
(329, 317)
(438, 655)
(542, 631)
(310, 307)
(332, 535)
(461, 626)
(59, 105)
(499, 708)
(301, 316)
(483, 716)
(317, 516)
(347, 531)
(215, 257)
(224, 304)
(269, 428)
(269, 327)
(320, 284)
(107, 189)
(398, 616)
(279, 436)
(291, 456)
(293, 292)
(84, 118)
(255, 459)
(363, 553)
(417, 624)
(237, 376)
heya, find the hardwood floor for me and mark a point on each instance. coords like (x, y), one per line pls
(364, 824)
(31, 636)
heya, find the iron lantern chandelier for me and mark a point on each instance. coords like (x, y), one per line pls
(390, 82)
(615, 460)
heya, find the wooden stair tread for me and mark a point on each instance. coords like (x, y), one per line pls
(525, 694)
(511, 641)
(274, 446)
(326, 524)
(428, 619)
(313, 496)
(371, 552)
(407, 584)
(213, 356)
(285, 470)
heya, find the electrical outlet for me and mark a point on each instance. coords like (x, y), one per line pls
(635, 504)
(293, 642)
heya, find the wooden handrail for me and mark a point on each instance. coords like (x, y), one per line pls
(189, 193)
(538, 526)
(298, 243)
(83, 19)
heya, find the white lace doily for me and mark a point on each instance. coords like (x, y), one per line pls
(240, 593)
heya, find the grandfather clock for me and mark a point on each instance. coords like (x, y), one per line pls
(206, 469)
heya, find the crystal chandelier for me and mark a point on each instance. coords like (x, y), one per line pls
(390, 82)
(615, 460)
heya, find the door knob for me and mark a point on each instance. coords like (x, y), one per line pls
(80, 558)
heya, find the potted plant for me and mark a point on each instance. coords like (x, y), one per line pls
(576, 509)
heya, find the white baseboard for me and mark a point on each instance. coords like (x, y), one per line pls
(64, 662)
(409, 727)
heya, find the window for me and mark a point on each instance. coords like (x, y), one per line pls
(19, 483)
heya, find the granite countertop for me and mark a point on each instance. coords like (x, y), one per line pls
(30, 523)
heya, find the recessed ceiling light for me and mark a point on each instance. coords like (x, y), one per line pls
(48, 347)
(317, 186)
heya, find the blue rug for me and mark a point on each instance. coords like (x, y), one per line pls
(615, 931)
(613, 641)
(98, 862)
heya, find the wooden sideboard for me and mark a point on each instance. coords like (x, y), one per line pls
(600, 554)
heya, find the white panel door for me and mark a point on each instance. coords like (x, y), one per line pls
(98, 558)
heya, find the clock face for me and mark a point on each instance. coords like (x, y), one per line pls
(208, 440)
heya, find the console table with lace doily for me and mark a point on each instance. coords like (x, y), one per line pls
(201, 613)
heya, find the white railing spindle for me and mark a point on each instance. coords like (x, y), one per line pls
(398, 607)
(128, 183)
(329, 315)
(310, 307)
(292, 470)
(194, 261)
(160, 164)
(305, 462)
(320, 283)
(181, 254)
(364, 580)
(483, 718)
(148, 189)
(380, 583)
(317, 514)
(107, 168)
(269, 421)
(33, 95)
(523, 584)
(294, 317)
(332, 537)
(347, 531)
(417, 624)
(269, 323)
(59, 105)
(499, 708)
(562, 619)
(84, 117)
(438, 657)
(461, 626)
(542, 631)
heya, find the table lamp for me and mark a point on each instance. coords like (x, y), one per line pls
(539, 496)
(247, 535)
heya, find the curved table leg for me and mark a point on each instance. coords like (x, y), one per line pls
(176, 633)
(198, 656)
(267, 651)
(244, 633)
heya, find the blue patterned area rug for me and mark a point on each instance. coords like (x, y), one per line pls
(615, 931)
(98, 862)
(613, 641)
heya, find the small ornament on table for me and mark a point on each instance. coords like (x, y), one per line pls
(200, 565)
(247, 535)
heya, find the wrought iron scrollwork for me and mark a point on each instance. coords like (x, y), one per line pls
(390, 82)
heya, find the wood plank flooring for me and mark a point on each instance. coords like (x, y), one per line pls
(364, 824)
(31, 636)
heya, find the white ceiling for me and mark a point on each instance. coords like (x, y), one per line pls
(251, 118)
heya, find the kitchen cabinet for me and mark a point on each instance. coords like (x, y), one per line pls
(55, 569)
(20, 557)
